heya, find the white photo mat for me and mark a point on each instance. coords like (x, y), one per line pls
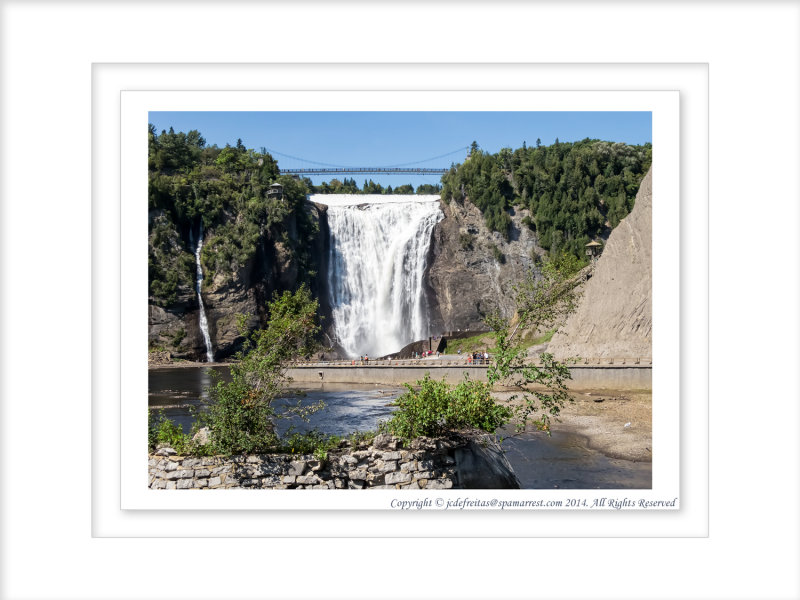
(131, 152)
(64, 536)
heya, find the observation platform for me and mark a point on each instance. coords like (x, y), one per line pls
(588, 374)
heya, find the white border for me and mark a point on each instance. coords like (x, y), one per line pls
(666, 287)
(753, 49)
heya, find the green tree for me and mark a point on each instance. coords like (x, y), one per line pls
(429, 188)
(573, 191)
(404, 189)
(242, 414)
(542, 303)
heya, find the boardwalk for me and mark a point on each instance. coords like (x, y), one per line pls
(602, 373)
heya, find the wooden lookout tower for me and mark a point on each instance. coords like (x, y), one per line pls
(275, 191)
(593, 250)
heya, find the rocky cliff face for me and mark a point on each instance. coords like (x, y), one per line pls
(274, 267)
(472, 269)
(615, 316)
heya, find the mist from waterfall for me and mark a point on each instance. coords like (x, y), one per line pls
(376, 264)
(199, 287)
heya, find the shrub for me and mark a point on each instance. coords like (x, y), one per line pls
(466, 240)
(437, 408)
(497, 254)
(164, 431)
(311, 442)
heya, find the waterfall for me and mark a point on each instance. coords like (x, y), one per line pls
(376, 265)
(199, 286)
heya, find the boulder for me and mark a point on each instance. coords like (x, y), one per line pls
(481, 464)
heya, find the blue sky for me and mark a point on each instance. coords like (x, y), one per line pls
(367, 139)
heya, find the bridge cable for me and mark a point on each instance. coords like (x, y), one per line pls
(322, 164)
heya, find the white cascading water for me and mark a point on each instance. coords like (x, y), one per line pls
(199, 287)
(377, 260)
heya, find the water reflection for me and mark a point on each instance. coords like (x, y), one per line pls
(348, 408)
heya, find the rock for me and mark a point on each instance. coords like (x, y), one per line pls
(423, 443)
(360, 474)
(481, 464)
(397, 477)
(165, 451)
(465, 280)
(309, 479)
(388, 467)
(296, 467)
(439, 484)
(159, 357)
(409, 466)
(614, 318)
(202, 437)
(384, 441)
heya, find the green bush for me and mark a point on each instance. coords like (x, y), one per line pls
(311, 442)
(437, 408)
(163, 431)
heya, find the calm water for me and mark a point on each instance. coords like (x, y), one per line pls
(541, 462)
(348, 408)
(564, 461)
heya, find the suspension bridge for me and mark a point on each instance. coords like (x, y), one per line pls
(353, 170)
(302, 166)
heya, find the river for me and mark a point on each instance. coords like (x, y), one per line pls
(562, 460)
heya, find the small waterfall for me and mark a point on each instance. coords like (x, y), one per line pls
(378, 255)
(199, 286)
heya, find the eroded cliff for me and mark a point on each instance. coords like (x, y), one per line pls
(615, 316)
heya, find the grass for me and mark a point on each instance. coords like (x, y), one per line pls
(486, 341)
(542, 339)
(482, 341)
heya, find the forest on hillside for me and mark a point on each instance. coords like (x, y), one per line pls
(224, 191)
(574, 192)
